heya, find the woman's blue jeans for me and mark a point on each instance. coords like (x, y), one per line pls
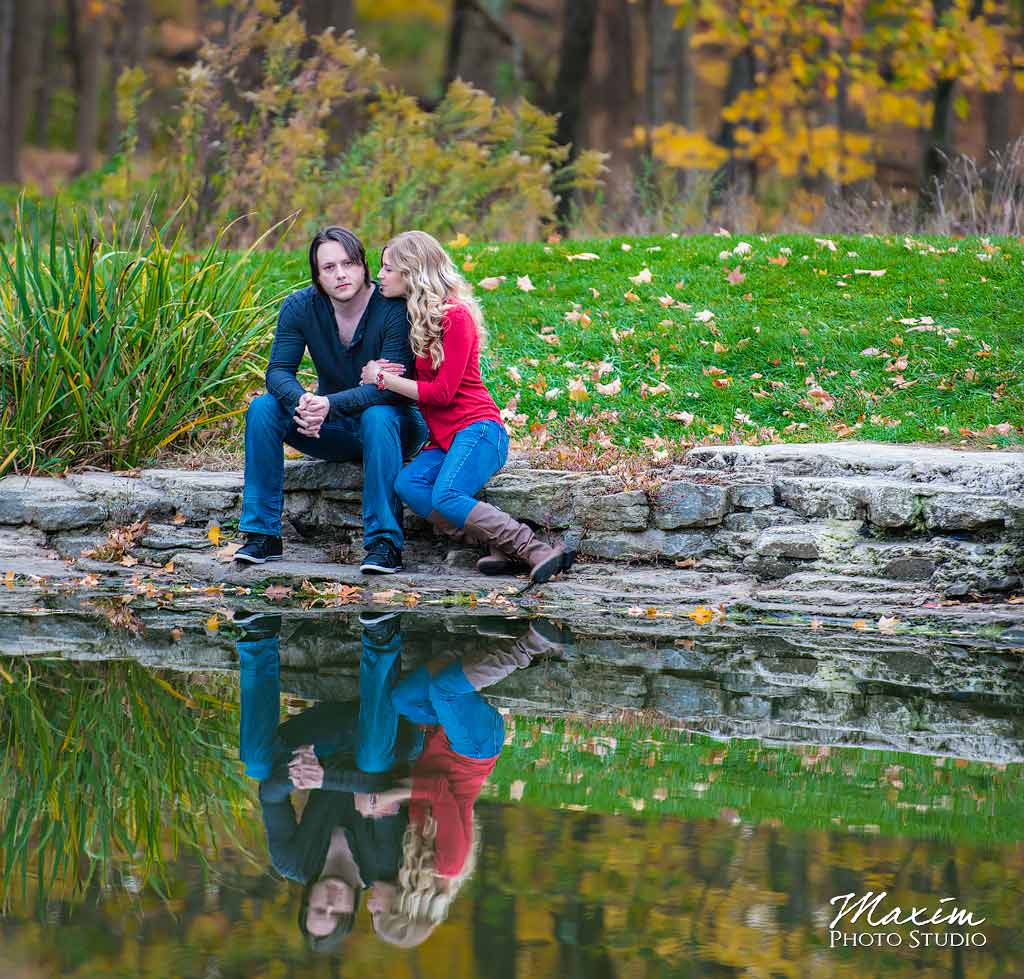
(449, 481)
(474, 728)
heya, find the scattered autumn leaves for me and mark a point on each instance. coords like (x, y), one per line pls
(679, 353)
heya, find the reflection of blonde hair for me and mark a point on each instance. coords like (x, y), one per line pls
(433, 286)
(420, 905)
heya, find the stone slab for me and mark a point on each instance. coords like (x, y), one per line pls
(681, 503)
(47, 503)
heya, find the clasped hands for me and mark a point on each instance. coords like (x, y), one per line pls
(369, 375)
(310, 413)
(305, 770)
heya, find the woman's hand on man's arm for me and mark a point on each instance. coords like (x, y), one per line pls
(369, 375)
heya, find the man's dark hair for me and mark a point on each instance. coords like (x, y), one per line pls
(333, 941)
(348, 240)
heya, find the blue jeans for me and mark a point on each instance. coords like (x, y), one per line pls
(449, 481)
(381, 437)
(367, 728)
(473, 727)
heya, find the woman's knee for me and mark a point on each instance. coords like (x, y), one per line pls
(413, 492)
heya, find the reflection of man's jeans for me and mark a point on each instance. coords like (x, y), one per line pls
(474, 728)
(380, 437)
(371, 734)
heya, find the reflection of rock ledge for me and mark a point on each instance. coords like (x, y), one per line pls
(960, 697)
(948, 518)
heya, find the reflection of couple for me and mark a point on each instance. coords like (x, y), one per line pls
(380, 349)
(394, 776)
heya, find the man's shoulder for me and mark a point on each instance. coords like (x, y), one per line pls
(385, 309)
(300, 302)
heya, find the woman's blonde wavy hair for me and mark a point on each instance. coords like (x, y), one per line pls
(420, 904)
(433, 285)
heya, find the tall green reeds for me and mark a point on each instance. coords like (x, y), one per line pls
(111, 767)
(115, 342)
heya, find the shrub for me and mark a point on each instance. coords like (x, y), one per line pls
(115, 344)
(267, 129)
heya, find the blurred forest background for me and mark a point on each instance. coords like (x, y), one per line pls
(595, 116)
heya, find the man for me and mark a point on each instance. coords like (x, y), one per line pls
(343, 321)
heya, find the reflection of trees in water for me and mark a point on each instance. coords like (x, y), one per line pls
(96, 753)
(627, 894)
(108, 771)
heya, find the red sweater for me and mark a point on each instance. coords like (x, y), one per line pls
(454, 396)
(448, 785)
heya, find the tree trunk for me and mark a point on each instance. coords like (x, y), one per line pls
(9, 147)
(112, 137)
(321, 14)
(741, 173)
(610, 93)
(44, 77)
(939, 143)
(84, 37)
(938, 148)
(669, 90)
(456, 39)
(573, 68)
(137, 13)
(996, 108)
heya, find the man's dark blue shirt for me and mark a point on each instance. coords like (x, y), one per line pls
(306, 321)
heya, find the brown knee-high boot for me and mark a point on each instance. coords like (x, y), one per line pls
(515, 538)
(497, 562)
(484, 669)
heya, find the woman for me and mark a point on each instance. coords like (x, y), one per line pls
(464, 737)
(468, 443)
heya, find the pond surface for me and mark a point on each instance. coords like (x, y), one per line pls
(659, 806)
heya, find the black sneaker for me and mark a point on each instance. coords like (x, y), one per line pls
(381, 627)
(259, 548)
(257, 625)
(370, 619)
(382, 557)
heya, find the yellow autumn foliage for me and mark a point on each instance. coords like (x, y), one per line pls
(682, 148)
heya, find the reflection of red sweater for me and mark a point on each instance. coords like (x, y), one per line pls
(447, 784)
(454, 396)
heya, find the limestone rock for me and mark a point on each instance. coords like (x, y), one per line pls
(752, 496)
(627, 510)
(49, 504)
(192, 480)
(681, 697)
(680, 503)
(910, 569)
(963, 511)
(547, 499)
(314, 474)
(788, 542)
(647, 545)
(127, 499)
(330, 513)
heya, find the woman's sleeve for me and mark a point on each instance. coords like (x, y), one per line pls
(454, 821)
(459, 337)
(454, 835)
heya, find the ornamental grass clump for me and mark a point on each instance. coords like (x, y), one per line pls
(109, 771)
(115, 343)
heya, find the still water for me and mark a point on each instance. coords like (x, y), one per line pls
(483, 798)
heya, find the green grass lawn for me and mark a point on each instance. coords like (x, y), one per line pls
(653, 344)
(658, 771)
